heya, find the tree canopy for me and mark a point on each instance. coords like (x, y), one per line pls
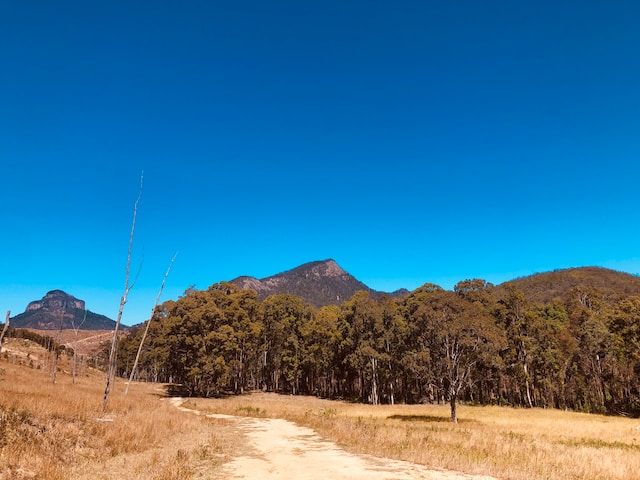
(475, 344)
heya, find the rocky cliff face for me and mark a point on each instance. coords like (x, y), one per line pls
(320, 283)
(56, 299)
(58, 309)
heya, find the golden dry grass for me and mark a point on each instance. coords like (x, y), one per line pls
(51, 431)
(517, 444)
(87, 342)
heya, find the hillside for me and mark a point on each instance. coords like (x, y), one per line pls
(319, 283)
(57, 310)
(558, 284)
(86, 342)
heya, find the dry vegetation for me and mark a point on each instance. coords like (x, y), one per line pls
(87, 342)
(507, 443)
(52, 431)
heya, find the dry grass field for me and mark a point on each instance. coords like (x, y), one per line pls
(52, 431)
(507, 443)
(87, 342)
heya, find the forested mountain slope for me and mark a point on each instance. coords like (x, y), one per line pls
(561, 284)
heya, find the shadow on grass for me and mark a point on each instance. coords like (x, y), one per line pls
(177, 390)
(427, 418)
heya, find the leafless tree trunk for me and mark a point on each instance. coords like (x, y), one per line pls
(526, 372)
(111, 368)
(374, 381)
(54, 364)
(146, 328)
(5, 328)
(76, 328)
(54, 353)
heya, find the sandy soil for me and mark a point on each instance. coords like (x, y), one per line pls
(280, 449)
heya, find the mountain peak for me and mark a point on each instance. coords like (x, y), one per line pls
(319, 268)
(56, 292)
(56, 300)
(57, 309)
(321, 282)
(332, 268)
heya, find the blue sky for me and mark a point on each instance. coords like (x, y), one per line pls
(410, 141)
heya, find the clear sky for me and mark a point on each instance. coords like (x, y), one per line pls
(411, 141)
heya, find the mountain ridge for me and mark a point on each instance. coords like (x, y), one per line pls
(324, 282)
(559, 284)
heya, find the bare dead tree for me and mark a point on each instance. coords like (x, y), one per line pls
(111, 368)
(146, 328)
(54, 351)
(5, 328)
(76, 328)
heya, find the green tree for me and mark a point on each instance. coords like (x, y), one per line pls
(284, 318)
(321, 337)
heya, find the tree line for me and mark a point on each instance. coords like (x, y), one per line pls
(478, 344)
(45, 341)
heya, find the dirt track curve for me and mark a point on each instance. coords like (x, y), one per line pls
(280, 449)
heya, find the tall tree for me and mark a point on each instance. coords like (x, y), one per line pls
(363, 347)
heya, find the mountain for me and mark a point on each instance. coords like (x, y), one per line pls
(58, 307)
(319, 283)
(558, 284)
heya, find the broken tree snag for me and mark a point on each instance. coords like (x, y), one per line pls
(146, 328)
(54, 369)
(5, 328)
(111, 367)
(76, 328)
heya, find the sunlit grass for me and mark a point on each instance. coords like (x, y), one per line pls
(58, 431)
(507, 443)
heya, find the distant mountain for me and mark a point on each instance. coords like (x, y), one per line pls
(56, 308)
(558, 284)
(320, 283)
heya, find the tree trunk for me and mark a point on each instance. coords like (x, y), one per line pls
(146, 328)
(391, 385)
(5, 328)
(526, 380)
(54, 364)
(374, 382)
(75, 363)
(524, 356)
(113, 352)
(454, 408)
(54, 373)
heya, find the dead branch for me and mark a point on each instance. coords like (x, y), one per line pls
(54, 352)
(146, 328)
(5, 328)
(76, 328)
(111, 369)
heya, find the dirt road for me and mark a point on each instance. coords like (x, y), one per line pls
(280, 449)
